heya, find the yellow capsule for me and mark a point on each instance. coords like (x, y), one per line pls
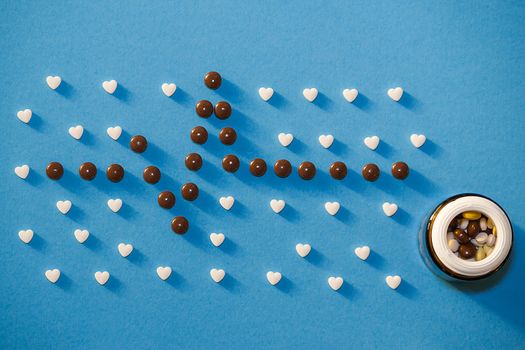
(471, 215)
(494, 230)
(490, 223)
(480, 254)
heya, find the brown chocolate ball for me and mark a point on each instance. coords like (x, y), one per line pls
(54, 170)
(115, 172)
(213, 80)
(338, 170)
(204, 108)
(400, 170)
(230, 163)
(223, 110)
(258, 167)
(87, 171)
(282, 168)
(180, 225)
(199, 135)
(473, 228)
(138, 143)
(461, 236)
(306, 170)
(193, 161)
(166, 199)
(228, 136)
(467, 250)
(370, 172)
(189, 191)
(151, 174)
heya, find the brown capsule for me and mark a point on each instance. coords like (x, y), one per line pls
(54, 170)
(189, 191)
(467, 250)
(230, 163)
(199, 135)
(166, 199)
(473, 228)
(282, 168)
(151, 174)
(193, 161)
(204, 108)
(180, 225)
(223, 110)
(115, 172)
(338, 170)
(138, 143)
(213, 80)
(400, 170)
(370, 172)
(87, 171)
(258, 167)
(228, 136)
(306, 170)
(461, 236)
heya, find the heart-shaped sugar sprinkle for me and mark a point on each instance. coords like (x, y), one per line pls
(418, 140)
(217, 275)
(310, 94)
(115, 204)
(114, 132)
(110, 86)
(277, 205)
(25, 235)
(22, 171)
(227, 202)
(52, 275)
(125, 249)
(326, 140)
(395, 93)
(350, 94)
(217, 238)
(24, 115)
(285, 139)
(64, 206)
(164, 272)
(76, 131)
(362, 252)
(389, 208)
(273, 277)
(303, 249)
(53, 82)
(372, 142)
(393, 281)
(102, 277)
(332, 207)
(265, 93)
(335, 282)
(81, 235)
(169, 89)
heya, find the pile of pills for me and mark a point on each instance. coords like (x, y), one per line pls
(472, 236)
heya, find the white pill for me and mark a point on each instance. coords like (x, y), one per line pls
(450, 236)
(473, 241)
(481, 238)
(453, 245)
(483, 224)
(491, 240)
(463, 224)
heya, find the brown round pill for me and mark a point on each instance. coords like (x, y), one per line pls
(230, 163)
(338, 170)
(258, 167)
(282, 168)
(204, 108)
(473, 228)
(193, 161)
(180, 225)
(87, 171)
(223, 110)
(199, 135)
(138, 143)
(166, 199)
(370, 172)
(189, 191)
(400, 170)
(228, 136)
(54, 170)
(467, 250)
(461, 236)
(306, 170)
(213, 80)
(151, 174)
(115, 172)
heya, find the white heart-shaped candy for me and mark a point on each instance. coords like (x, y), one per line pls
(395, 93)
(310, 94)
(76, 131)
(265, 93)
(102, 277)
(273, 277)
(169, 89)
(350, 94)
(335, 282)
(393, 281)
(164, 272)
(217, 275)
(110, 86)
(22, 171)
(303, 249)
(418, 140)
(53, 82)
(25, 235)
(125, 249)
(389, 208)
(326, 140)
(114, 132)
(217, 239)
(372, 142)
(362, 252)
(64, 206)
(277, 205)
(285, 139)
(81, 235)
(25, 115)
(332, 207)
(53, 275)
(115, 204)
(227, 202)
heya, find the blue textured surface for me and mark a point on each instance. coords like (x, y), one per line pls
(462, 66)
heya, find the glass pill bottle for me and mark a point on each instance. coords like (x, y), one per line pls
(466, 237)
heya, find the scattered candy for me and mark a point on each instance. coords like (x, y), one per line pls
(189, 191)
(310, 94)
(76, 132)
(64, 206)
(277, 205)
(362, 252)
(217, 239)
(231, 163)
(199, 135)
(87, 171)
(273, 277)
(24, 115)
(115, 204)
(125, 249)
(332, 207)
(335, 282)
(389, 208)
(110, 86)
(115, 172)
(227, 202)
(138, 144)
(193, 161)
(393, 281)
(395, 93)
(151, 174)
(169, 89)
(338, 170)
(372, 142)
(53, 82)
(217, 275)
(418, 140)
(282, 168)
(350, 94)
(54, 170)
(265, 93)
(25, 235)
(306, 170)
(52, 275)
(303, 249)
(22, 171)
(164, 272)
(81, 235)
(204, 108)
(400, 170)
(223, 110)
(114, 132)
(180, 225)
(258, 167)
(213, 80)
(102, 277)
(228, 136)
(326, 140)
(370, 172)
(285, 139)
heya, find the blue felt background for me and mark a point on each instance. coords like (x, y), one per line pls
(462, 66)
